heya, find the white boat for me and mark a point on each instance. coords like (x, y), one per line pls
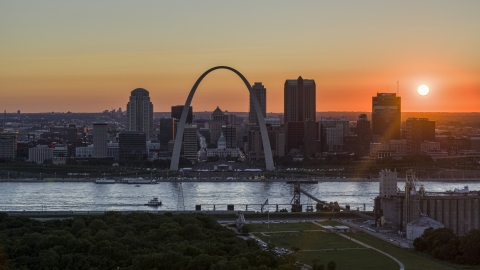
(104, 181)
(456, 190)
(154, 202)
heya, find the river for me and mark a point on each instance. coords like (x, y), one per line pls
(88, 196)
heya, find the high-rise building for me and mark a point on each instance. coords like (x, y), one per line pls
(216, 123)
(8, 145)
(190, 143)
(168, 127)
(100, 137)
(132, 144)
(299, 117)
(299, 100)
(261, 93)
(177, 113)
(140, 113)
(364, 136)
(72, 133)
(230, 134)
(386, 117)
(418, 130)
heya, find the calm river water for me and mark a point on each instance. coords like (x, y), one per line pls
(16, 196)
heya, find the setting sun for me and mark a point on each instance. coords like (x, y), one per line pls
(423, 90)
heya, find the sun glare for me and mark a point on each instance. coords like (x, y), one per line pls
(423, 90)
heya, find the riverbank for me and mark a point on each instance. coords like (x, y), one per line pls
(206, 180)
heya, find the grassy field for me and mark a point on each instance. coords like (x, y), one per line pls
(276, 227)
(409, 258)
(345, 253)
(331, 223)
(308, 240)
(329, 247)
(361, 259)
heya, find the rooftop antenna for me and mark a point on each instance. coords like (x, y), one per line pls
(398, 87)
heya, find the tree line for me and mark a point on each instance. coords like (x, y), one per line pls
(134, 241)
(443, 244)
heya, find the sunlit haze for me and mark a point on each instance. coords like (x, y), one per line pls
(88, 56)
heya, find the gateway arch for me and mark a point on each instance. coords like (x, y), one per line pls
(181, 125)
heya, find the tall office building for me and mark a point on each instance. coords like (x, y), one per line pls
(230, 134)
(177, 113)
(261, 93)
(72, 133)
(299, 100)
(299, 117)
(216, 123)
(168, 127)
(100, 138)
(8, 145)
(190, 143)
(132, 144)
(364, 136)
(417, 131)
(386, 117)
(140, 113)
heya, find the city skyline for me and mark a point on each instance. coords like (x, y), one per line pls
(87, 57)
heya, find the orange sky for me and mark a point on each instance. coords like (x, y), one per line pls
(83, 57)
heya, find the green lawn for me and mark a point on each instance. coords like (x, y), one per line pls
(331, 223)
(360, 259)
(329, 247)
(409, 258)
(275, 227)
(308, 240)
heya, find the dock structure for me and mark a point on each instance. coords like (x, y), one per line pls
(327, 203)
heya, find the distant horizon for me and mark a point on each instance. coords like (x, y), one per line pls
(79, 56)
(239, 112)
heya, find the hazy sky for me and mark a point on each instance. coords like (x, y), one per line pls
(86, 56)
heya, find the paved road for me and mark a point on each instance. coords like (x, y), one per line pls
(403, 243)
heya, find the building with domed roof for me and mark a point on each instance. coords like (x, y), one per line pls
(222, 150)
(140, 113)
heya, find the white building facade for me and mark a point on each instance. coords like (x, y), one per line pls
(40, 153)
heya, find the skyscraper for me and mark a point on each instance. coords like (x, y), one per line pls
(100, 140)
(299, 100)
(300, 111)
(168, 127)
(177, 113)
(190, 142)
(386, 115)
(140, 113)
(364, 136)
(261, 93)
(230, 134)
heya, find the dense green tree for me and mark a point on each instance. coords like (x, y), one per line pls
(331, 265)
(469, 248)
(136, 241)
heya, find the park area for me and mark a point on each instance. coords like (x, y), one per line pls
(312, 244)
